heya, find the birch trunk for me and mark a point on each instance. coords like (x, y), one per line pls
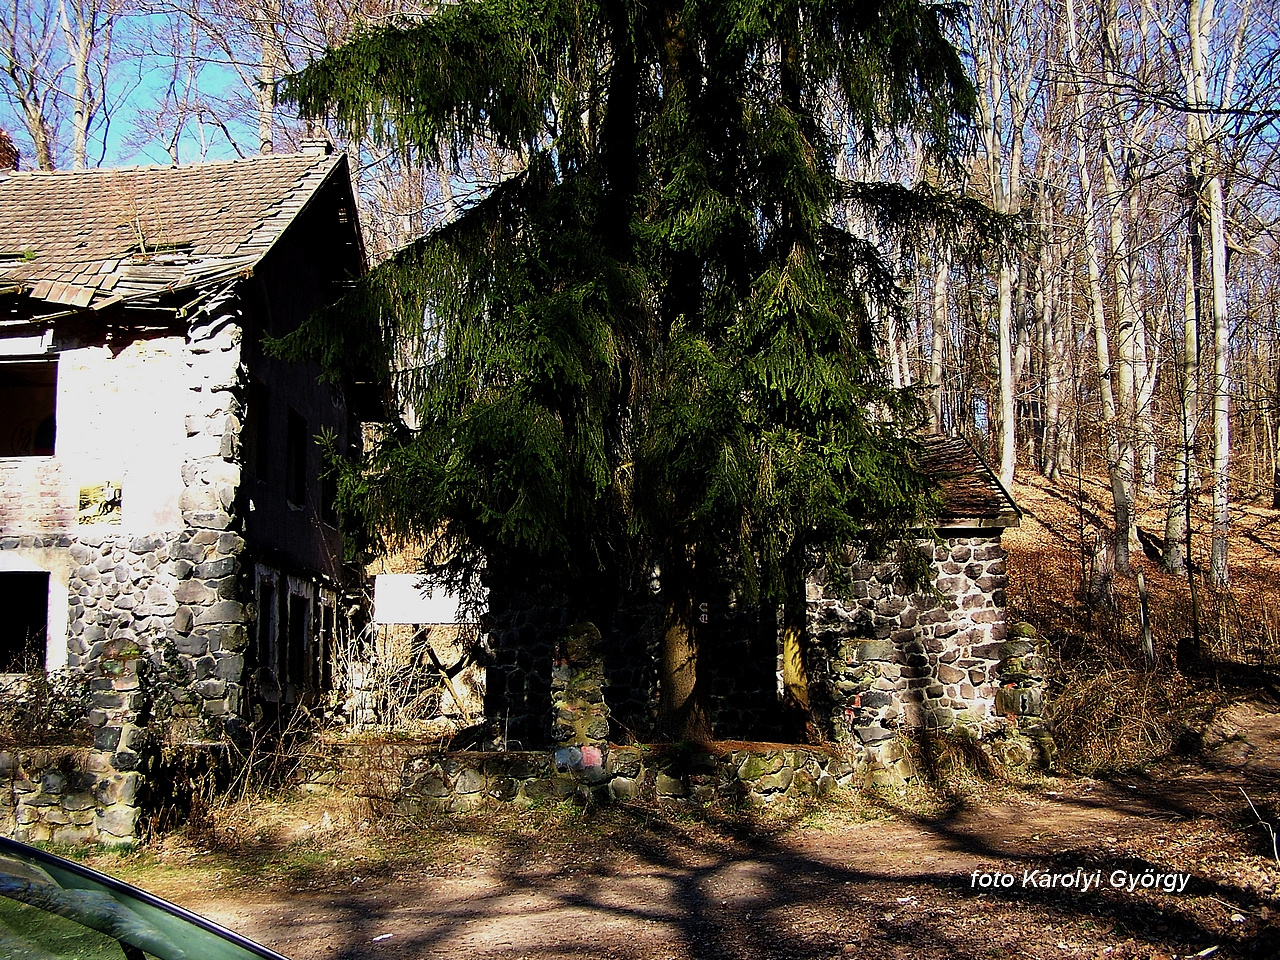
(1001, 89)
(1221, 384)
(1177, 524)
(940, 280)
(1121, 482)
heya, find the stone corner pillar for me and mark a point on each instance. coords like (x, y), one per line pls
(580, 716)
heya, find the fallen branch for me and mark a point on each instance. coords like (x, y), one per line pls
(1266, 825)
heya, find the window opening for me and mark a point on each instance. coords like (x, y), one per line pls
(266, 621)
(257, 418)
(299, 610)
(24, 598)
(28, 397)
(284, 634)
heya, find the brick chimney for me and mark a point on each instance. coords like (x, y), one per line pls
(8, 154)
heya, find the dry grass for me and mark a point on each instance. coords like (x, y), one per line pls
(1110, 709)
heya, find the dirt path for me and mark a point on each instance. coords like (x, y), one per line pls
(875, 882)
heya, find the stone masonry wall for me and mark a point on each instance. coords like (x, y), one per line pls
(891, 654)
(431, 779)
(156, 625)
(67, 796)
(580, 720)
(888, 653)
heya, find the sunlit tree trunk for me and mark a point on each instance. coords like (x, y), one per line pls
(680, 704)
(1121, 480)
(1177, 525)
(936, 398)
(1221, 385)
(268, 74)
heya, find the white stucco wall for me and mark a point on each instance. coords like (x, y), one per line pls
(120, 419)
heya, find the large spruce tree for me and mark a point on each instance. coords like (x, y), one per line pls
(652, 347)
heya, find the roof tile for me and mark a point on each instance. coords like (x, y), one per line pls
(87, 227)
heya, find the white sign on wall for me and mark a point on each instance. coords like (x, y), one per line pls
(403, 598)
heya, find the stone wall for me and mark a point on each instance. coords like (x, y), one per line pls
(580, 716)
(462, 781)
(154, 619)
(68, 796)
(891, 653)
(156, 628)
(522, 643)
(888, 653)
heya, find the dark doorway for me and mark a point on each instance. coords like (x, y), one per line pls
(299, 617)
(24, 600)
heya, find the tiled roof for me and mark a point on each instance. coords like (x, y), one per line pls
(93, 237)
(972, 495)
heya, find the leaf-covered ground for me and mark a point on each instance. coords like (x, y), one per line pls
(882, 876)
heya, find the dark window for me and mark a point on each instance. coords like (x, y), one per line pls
(295, 478)
(299, 615)
(28, 397)
(257, 436)
(24, 598)
(266, 622)
(284, 633)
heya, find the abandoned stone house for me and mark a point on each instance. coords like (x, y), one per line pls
(167, 539)
(166, 531)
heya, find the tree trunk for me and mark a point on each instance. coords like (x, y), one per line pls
(796, 707)
(1055, 382)
(268, 75)
(1008, 415)
(1221, 385)
(1127, 320)
(1275, 447)
(1176, 530)
(682, 715)
(1121, 483)
(940, 279)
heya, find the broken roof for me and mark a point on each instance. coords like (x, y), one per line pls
(972, 495)
(95, 238)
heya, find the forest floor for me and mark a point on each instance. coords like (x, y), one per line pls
(875, 875)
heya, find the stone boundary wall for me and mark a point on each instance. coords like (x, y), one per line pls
(67, 795)
(427, 779)
(522, 637)
(888, 654)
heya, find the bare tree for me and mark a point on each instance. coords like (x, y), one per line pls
(1006, 70)
(33, 71)
(87, 27)
(55, 65)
